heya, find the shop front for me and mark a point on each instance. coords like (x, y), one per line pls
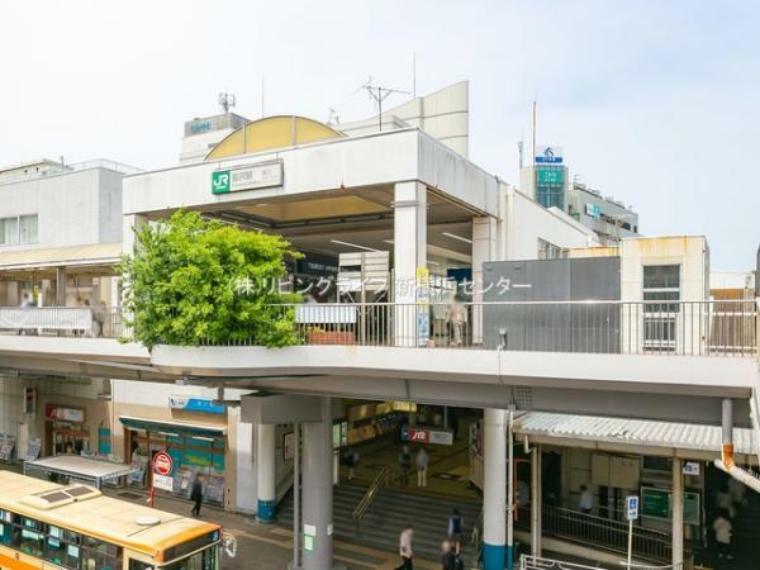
(66, 432)
(194, 449)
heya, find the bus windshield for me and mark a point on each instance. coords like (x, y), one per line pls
(204, 560)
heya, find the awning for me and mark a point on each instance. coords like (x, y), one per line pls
(71, 256)
(171, 426)
(570, 430)
(86, 469)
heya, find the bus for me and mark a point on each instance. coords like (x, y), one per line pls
(76, 527)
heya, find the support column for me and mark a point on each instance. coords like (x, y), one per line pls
(536, 500)
(483, 249)
(409, 254)
(677, 531)
(60, 286)
(265, 472)
(494, 488)
(130, 224)
(318, 492)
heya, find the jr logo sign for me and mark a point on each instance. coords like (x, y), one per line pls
(220, 182)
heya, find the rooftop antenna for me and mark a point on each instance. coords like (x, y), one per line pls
(226, 101)
(535, 111)
(379, 94)
(262, 96)
(414, 75)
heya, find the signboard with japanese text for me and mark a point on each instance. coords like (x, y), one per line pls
(252, 177)
(549, 155)
(56, 413)
(195, 404)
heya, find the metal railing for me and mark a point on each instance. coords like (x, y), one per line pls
(691, 328)
(599, 532)
(382, 479)
(104, 322)
(694, 328)
(49, 170)
(540, 563)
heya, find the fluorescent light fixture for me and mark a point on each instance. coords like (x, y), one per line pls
(356, 245)
(201, 438)
(168, 434)
(460, 238)
(431, 262)
(390, 241)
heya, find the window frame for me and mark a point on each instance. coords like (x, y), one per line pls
(18, 233)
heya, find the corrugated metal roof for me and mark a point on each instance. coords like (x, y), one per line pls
(76, 255)
(633, 432)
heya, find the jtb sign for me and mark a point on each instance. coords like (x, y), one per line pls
(549, 155)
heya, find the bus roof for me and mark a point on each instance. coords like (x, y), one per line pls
(105, 518)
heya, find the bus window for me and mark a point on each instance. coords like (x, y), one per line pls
(98, 555)
(55, 548)
(204, 560)
(32, 537)
(137, 565)
(6, 527)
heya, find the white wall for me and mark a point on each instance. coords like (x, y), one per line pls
(526, 222)
(74, 209)
(444, 115)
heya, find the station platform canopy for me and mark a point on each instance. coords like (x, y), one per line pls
(84, 469)
(683, 440)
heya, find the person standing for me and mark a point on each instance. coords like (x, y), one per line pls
(723, 529)
(405, 548)
(405, 465)
(196, 495)
(423, 460)
(586, 502)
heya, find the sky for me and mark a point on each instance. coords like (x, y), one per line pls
(656, 102)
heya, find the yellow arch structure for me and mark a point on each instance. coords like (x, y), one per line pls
(271, 133)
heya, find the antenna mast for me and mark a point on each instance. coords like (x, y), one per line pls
(378, 95)
(533, 158)
(226, 101)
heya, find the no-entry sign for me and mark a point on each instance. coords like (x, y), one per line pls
(162, 463)
(162, 471)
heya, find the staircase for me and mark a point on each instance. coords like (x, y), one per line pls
(392, 510)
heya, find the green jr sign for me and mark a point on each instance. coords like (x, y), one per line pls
(220, 182)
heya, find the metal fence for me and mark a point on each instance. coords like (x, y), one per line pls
(95, 321)
(599, 532)
(540, 563)
(709, 328)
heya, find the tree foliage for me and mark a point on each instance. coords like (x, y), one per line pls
(195, 281)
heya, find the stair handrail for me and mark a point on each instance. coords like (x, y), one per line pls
(370, 495)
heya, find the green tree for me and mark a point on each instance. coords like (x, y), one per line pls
(193, 281)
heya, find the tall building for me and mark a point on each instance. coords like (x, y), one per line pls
(548, 182)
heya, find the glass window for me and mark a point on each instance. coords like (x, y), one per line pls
(137, 565)
(32, 537)
(28, 229)
(9, 231)
(662, 276)
(204, 560)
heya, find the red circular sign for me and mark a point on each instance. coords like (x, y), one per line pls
(162, 463)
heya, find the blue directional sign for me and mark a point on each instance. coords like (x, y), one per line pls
(632, 508)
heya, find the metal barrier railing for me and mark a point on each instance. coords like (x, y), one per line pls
(539, 563)
(694, 328)
(382, 479)
(599, 532)
(97, 321)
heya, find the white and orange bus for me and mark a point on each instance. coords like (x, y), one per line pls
(75, 527)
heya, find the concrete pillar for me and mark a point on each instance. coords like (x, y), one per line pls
(677, 512)
(60, 286)
(536, 500)
(483, 249)
(265, 473)
(409, 254)
(130, 223)
(494, 488)
(318, 492)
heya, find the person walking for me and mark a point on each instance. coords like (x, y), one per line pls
(455, 530)
(405, 465)
(196, 495)
(351, 460)
(448, 558)
(405, 549)
(423, 460)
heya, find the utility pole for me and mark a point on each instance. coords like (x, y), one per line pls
(533, 158)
